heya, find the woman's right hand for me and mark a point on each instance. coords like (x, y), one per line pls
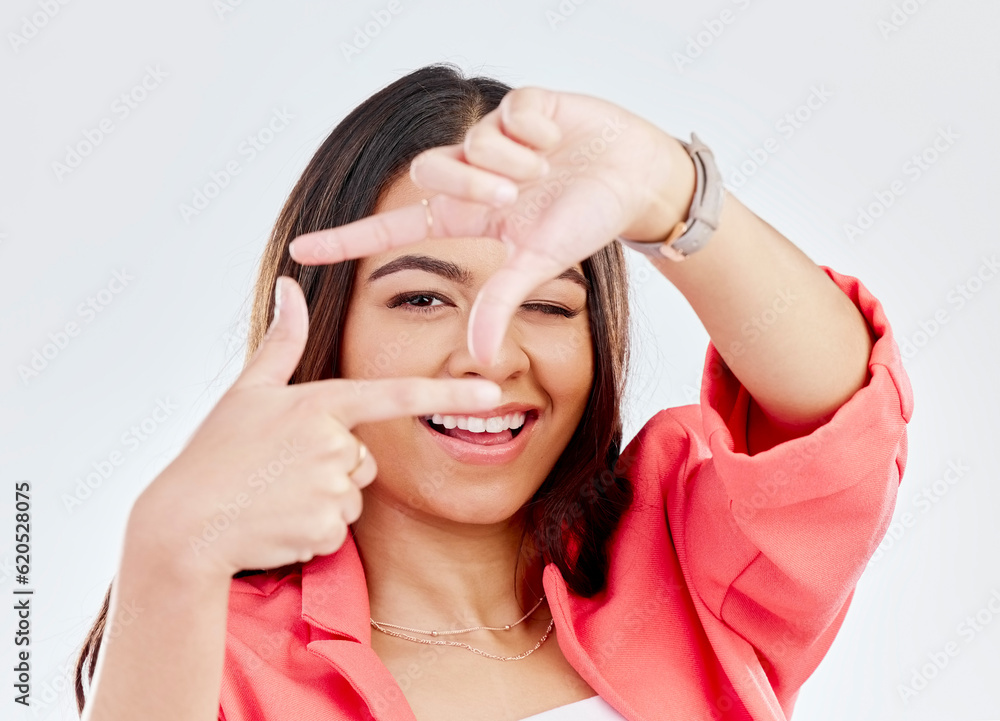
(264, 481)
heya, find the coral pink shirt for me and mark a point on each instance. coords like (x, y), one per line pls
(729, 576)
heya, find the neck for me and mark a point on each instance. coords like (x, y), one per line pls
(431, 573)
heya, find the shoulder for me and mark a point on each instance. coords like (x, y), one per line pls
(669, 445)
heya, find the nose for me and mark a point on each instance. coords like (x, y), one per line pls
(511, 360)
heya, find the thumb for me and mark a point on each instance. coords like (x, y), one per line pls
(282, 346)
(499, 298)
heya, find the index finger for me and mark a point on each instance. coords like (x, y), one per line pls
(443, 216)
(354, 401)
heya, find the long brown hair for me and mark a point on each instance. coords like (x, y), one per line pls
(573, 514)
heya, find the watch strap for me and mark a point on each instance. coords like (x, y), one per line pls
(691, 235)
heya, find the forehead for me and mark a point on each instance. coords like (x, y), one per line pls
(481, 256)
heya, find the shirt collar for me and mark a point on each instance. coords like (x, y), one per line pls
(335, 598)
(334, 593)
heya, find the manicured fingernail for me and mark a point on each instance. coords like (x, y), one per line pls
(505, 194)
(279, 294)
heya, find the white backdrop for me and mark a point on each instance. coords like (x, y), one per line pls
(123, 317)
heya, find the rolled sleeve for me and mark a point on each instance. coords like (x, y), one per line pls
(777, 541)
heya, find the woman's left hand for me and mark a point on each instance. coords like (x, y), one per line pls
(578, 170)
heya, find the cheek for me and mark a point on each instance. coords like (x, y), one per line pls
(378, 345)
(564, 365)
(353, 343)
(373, 348)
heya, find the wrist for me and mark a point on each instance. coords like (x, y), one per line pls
(669, 195)
(155, 537)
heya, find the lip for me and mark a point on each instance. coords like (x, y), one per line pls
(486, 455)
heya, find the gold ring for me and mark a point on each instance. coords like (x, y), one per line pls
(362, 454)
(427, 213)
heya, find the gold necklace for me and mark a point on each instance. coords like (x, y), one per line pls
(464, 630)
(383, 627)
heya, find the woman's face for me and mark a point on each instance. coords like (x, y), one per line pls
(405, 320)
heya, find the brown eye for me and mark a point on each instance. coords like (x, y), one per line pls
(420, 302)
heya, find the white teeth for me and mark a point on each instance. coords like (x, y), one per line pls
(494, 424)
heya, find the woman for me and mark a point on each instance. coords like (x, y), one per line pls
(701, 574)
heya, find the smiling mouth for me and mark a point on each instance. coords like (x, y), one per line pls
(485, 438)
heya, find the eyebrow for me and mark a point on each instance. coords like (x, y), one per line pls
(451, 271)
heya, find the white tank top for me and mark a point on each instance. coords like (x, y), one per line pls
(594, 708)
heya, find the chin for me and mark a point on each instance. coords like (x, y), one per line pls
(431, 486)
(466, 505)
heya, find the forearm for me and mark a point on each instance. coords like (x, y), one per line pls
(163, 648)
(788, 333)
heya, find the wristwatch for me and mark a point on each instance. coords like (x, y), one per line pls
(690, 236)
